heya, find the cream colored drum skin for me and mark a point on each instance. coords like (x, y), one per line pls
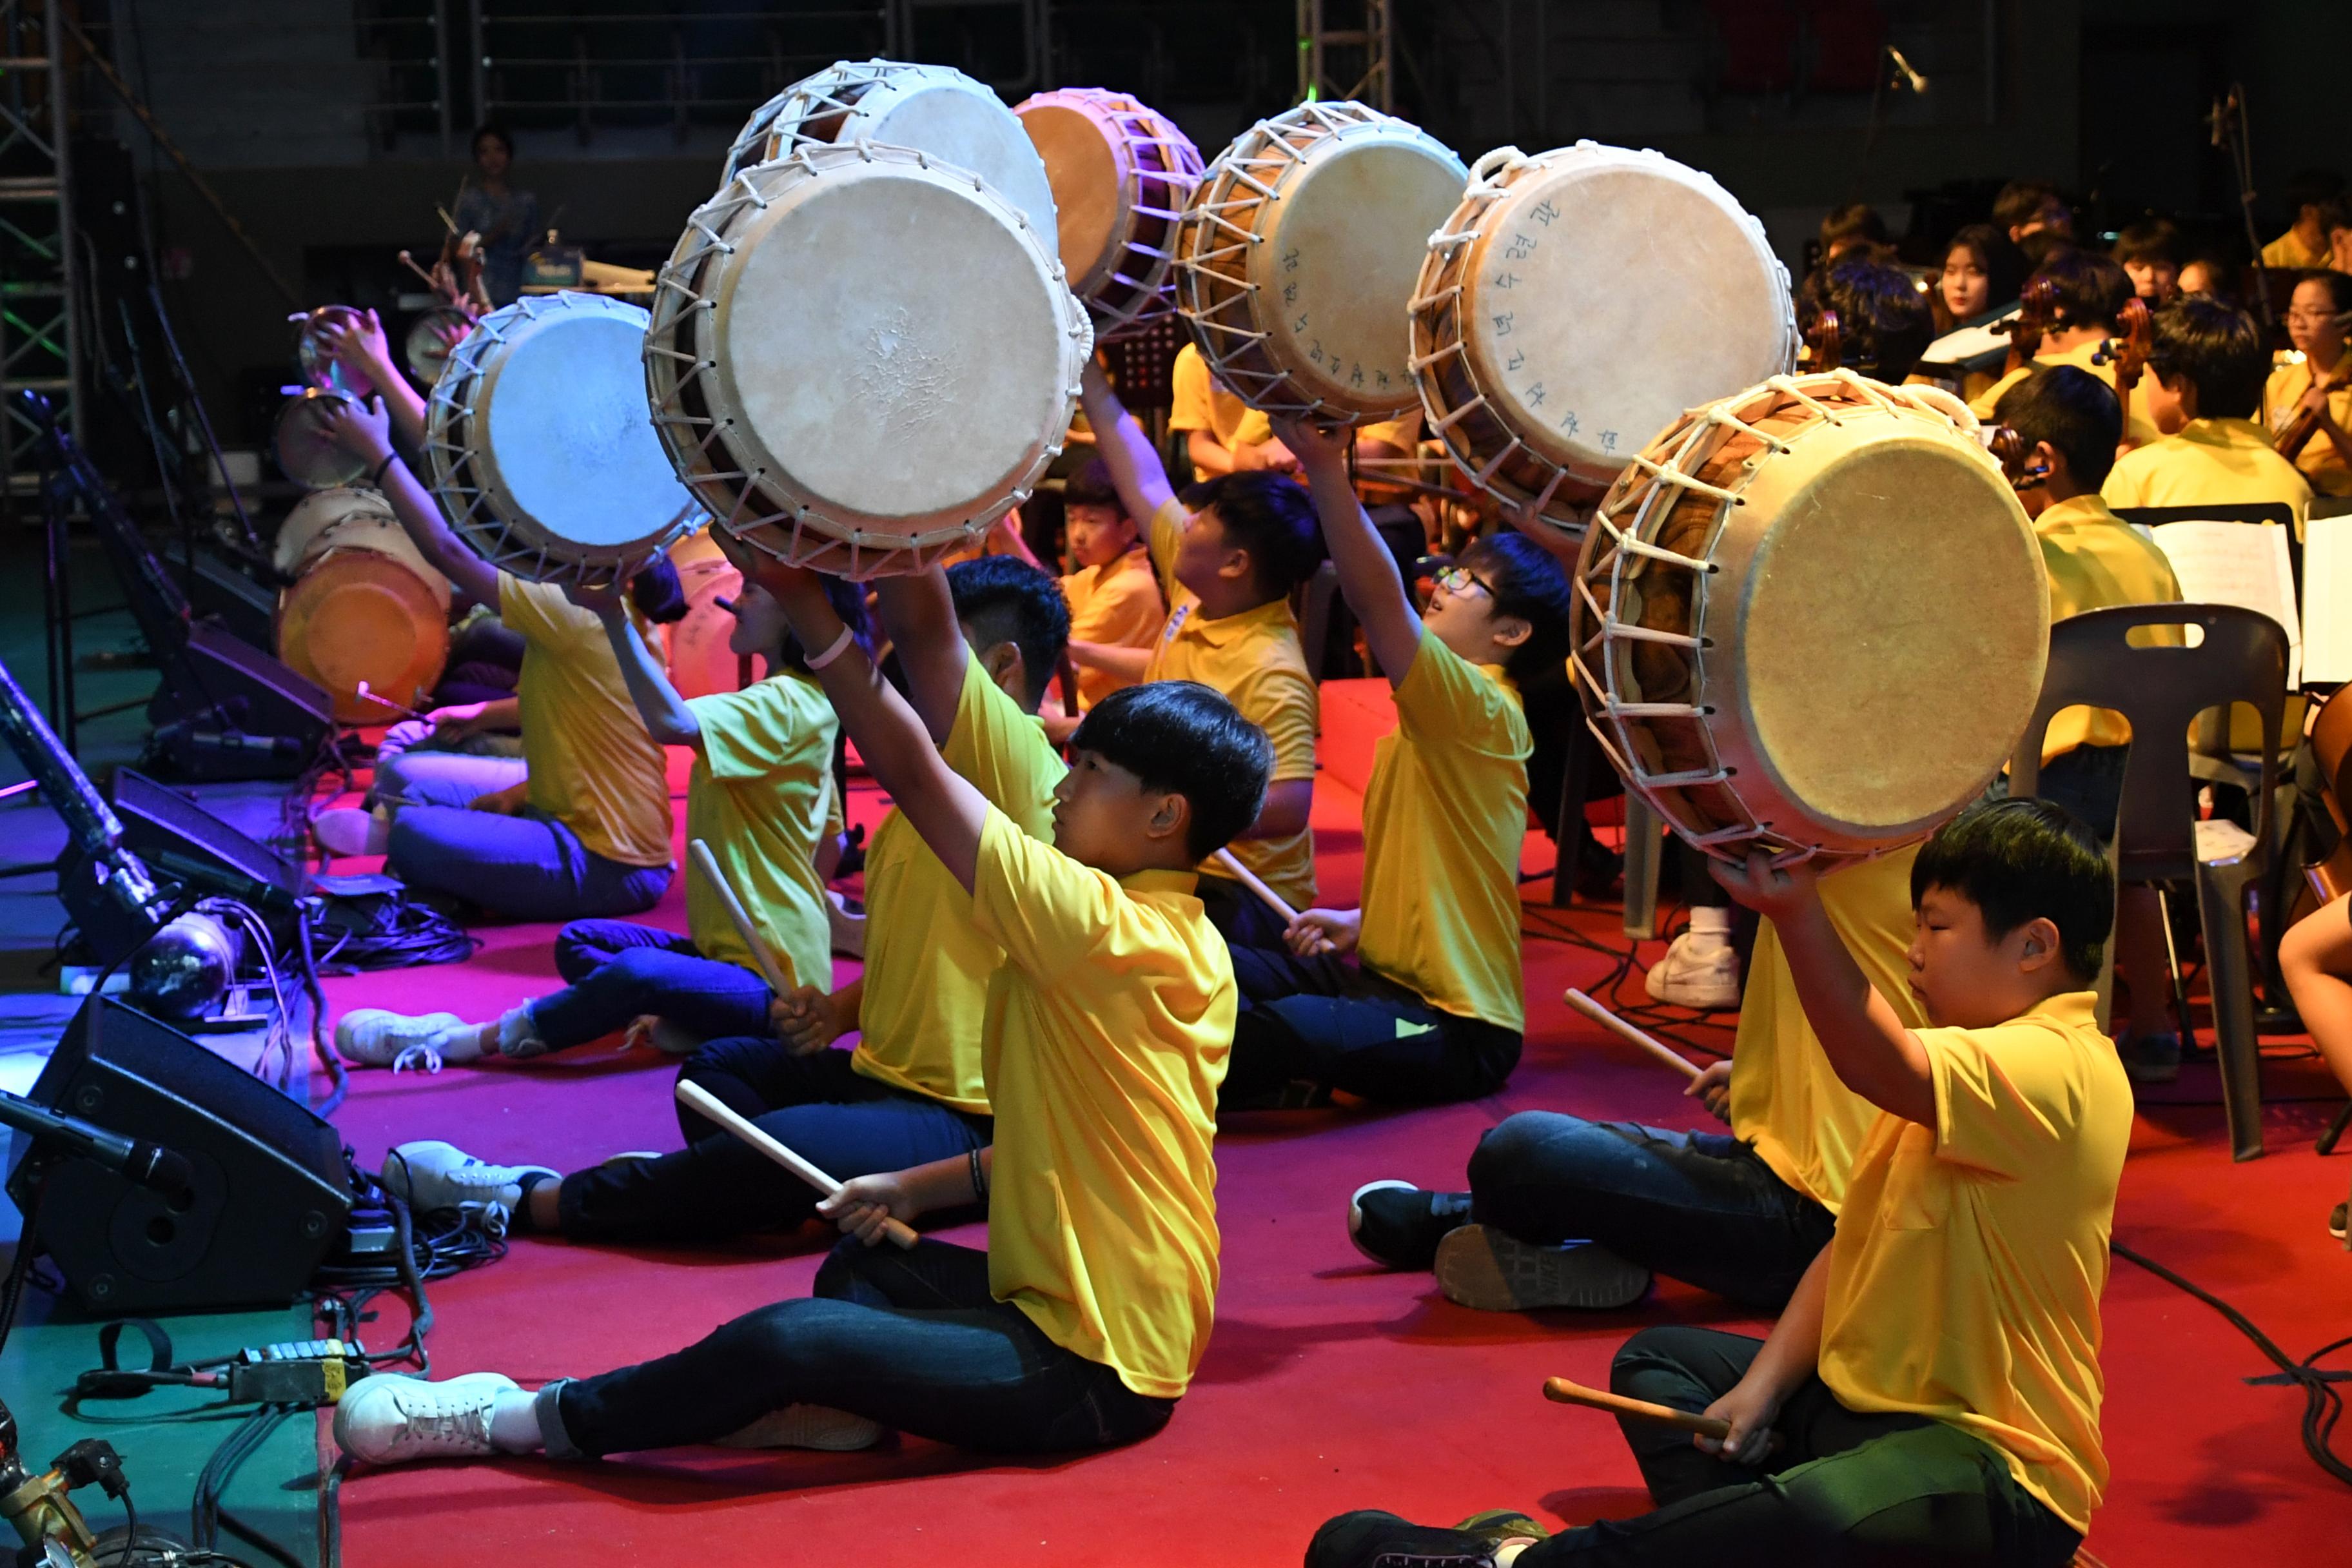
(936, 110)
(1298, 256)
(1577, 300)
(544, 452)
(1811, 619)
(860, 357)
(1121, 175)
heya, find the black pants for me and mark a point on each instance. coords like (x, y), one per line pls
(841, 1122)
(910, 1338)
(1239, 917)
(1700, 1207)
(1329, 1022)
(1844, 1489)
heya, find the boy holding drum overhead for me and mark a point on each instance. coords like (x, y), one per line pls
(1228, 558)
(1433, 1008)
(1082, 1323)
(1932, 1391)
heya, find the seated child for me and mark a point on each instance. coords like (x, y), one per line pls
(913, 1090)
(2204, 391)
(1229, 556)
(2317, 380)
(1222, 434)
(1114, 599)
(757, 795)
(1082, 1324)
(1884, 323)
(1932, 1393)
(2091, 290)
(1431, 1009)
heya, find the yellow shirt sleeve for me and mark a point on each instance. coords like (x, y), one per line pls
(1003, 753)
(1277, 702)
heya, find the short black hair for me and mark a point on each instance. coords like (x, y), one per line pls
(1004, 599)
(2020, 861)
(1852, 221)
(2336, 212)
(1092, 486)
(2072, 410)
(2150, 239)
(849, 602)
(1884, 322)
(2022, 201)
(2090, 288)
(2311, 188)
(657, 593)
(1270, 516)
(2337, 284)
(1185, 738)
(2004, 264)
(2218, 349)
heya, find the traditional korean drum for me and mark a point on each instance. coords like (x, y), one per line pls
(306, 453)
(364, 607)
(1121, 176)
(541, 447)
(1577, 302)
(431, 337)
(860, 357)
(1297, 258)
(1811, 619)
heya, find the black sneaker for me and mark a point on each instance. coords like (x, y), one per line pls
(2336, 1221)
(1398, 1225)
(1370, 1538)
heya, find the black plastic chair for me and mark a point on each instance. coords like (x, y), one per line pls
(2241, 657)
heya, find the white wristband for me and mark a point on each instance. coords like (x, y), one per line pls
(840, 646)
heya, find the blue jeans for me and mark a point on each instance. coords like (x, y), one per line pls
(1700, 1207)
(843, 1122)
(617, 970)
(1329, 1022)
(527, 866)
(409, 766)
(912, 1340)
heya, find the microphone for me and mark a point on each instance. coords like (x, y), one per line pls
(1911, 78)
(135, 1160)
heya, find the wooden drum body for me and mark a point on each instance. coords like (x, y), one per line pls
(1812, 619)
(364, 605)
(544, 452)
(1576, 303)
(1297, 258)
(1121, 176)
(860, 358)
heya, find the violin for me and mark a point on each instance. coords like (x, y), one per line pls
(2037, 315)
(1824, 343)
(2298, 431)
(2128, 350)
(2331, 746)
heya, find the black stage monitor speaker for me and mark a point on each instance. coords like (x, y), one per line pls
(267, 1199)
(183, 842)
(227, 711)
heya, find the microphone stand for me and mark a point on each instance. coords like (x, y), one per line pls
(2231, 134)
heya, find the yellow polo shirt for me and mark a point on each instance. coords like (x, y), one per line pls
(1444, 815)
(926, 965)
(1786, 1100)
(1117, 605)
(2082, 356)
(757, 795)
(1965, 1272)
(2095, 559)
(2210, 462)
(2289, 253)
(593, 768)
(1108, 1029)
(1199, 403)
(2319, 462)
(1254, 660)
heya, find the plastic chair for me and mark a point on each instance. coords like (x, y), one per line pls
(2241, 657)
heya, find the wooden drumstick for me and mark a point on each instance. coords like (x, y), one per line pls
(700, 1100)
(1625, 1031)
(380, 700)
(1560, 1390)
(708, 864)
(1248, 879)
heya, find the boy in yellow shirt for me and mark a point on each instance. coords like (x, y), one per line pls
(2091, 290)
(757, 795)
(1433, 1008)
(2305, 244)
(1109, 1023)
(2206, 368)
(1229, 554)
(1113, 598)
(1932, 1391)
(2319, 381)
(1222, 434)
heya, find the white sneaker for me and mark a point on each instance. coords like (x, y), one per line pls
(848, 931)
(352, 830)
(433, 1176)
(389, 1419)
(1700, 969)
(379, 1037)
(807, 1427)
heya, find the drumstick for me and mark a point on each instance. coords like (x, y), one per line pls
(1560, 1390)
(1625, 1031)
(1248, 879)
(410, 262)
(695, 1098)
(381, 701)
(708, 864)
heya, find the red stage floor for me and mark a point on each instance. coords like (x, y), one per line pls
(1329, 1384)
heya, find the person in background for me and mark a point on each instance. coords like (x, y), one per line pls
(1884, 322)
(1113, 598)
(2335, 217)
(2207, 276)
(1983, 270)
(2149, 251)
(1855, 226)
(2305, 244)
(505, 218)
(1222, 434)
(2203, 389)
(2319, 378)
(2035, 216)
(2090, 290)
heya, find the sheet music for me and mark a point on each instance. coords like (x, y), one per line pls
(2243, 564)
(2327, 601)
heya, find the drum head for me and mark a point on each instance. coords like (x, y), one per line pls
(430, 338)
(359, 615)
(316, 515)
(306, 453)
(1091, 190)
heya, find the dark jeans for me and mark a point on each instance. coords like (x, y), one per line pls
(1700, 1207)
(844, 1124)
(910, 1338)
(1843, 1488)
(526, 866)
(616, 970)
(1329, 1022)
(1239, 915)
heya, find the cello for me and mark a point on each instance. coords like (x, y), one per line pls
(2037, 314)
(2128, 351)
(2297, 432)
(1824, 343)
